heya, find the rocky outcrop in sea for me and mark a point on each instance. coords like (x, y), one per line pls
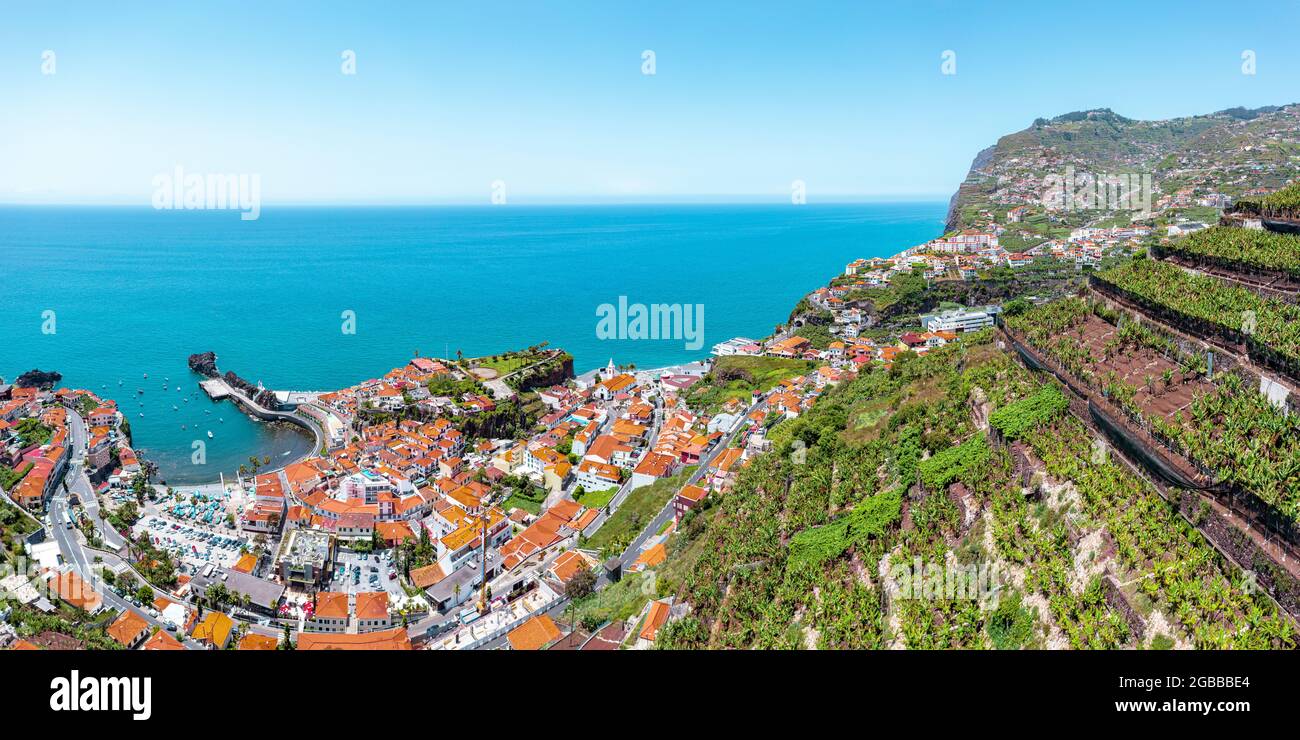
(38, 379)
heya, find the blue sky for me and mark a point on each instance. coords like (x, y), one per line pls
(550, 98)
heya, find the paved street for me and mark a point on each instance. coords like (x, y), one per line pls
(78, 483)
(556, 610)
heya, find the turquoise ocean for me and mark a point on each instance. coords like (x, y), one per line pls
(136, 291)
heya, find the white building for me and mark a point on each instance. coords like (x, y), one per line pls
(960, 320)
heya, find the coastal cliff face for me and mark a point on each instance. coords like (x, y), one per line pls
(982, 159)
(553, 372)
(1227, 151)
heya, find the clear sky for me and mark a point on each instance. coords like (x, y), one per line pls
(550, 98)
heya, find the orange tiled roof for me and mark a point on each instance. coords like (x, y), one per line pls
(254, 641)
(654, 620)
(393, 639)
(126, 628)
(427, 576)
(331, 605)
(372, 605)
(534, 634)
(162, 640)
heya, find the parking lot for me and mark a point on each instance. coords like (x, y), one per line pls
(358, 572)
(193, 546)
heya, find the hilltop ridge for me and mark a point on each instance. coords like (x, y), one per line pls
(1224, 155)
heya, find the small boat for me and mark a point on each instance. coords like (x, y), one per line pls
(146, 375)
(142, 413)
(175, 407)
(223, 421)
(209, 433)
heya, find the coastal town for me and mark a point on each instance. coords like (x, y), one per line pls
(452, 503)
(504, 501)
(414, 527)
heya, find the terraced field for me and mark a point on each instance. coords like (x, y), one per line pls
(1235, 317)
(799, 554)
(1224, 425)
(1239, 249)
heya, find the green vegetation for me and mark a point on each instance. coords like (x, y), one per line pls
(1169, 559)
(449, 386)
(818, 334)
(1011, 625)
(529, 498)
(1232, 429)
(1284, 203)
(124, 516)
(1016, 419)
(14, 525)
(778, 562)
(637, 510)
(1162, 642)
(32, 432)
(417, 553)
(153, 563)
(598, 499)
(68, 621)
(1234, 248)
(738, 377)
(86, 405)
(618, 601)
(1236, 431)
(905, 293)
(955, 463)
(783, 553)
(548, 372)
(508, 362)
(10, 478)
(1209, 306)
(869, 519)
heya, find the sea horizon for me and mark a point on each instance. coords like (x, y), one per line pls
(526, 201)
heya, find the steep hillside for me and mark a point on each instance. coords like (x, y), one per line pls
(961, 462)
(1227, 153)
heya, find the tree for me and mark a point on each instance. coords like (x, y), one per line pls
(287, 643)
(580, 586)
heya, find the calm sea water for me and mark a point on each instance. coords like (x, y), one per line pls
(136, 291)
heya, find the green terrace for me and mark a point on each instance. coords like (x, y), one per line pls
(1284, 203)
(1223, 424)
(791, 556)
(1237, 248)
(1210, 308)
